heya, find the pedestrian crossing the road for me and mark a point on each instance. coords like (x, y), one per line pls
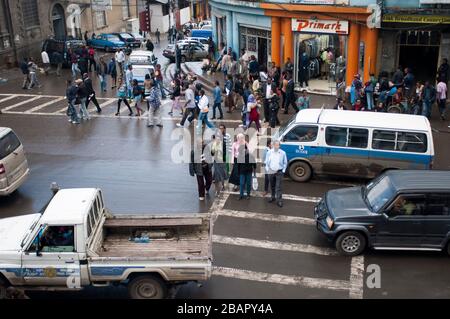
(226, 212)
(53, 105)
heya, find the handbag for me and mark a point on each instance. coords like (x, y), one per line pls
(255, 183)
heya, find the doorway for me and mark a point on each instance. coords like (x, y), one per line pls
(262, 51)
(425, 70)
(58, 21)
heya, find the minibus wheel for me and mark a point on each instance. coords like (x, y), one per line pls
(300, 171)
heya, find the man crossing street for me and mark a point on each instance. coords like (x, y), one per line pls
(276, 164)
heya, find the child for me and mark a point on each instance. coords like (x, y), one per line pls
(137, 97)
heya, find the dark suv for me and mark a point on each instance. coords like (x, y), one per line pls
(62, 46)
(399, 210)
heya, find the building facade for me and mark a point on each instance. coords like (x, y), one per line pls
(25, 24)
(410, 33)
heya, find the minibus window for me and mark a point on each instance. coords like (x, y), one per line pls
(411, 142)
(302, 133)
(399, 141)
(383, 140)
(358, 137)
(8, 144)
(336, 136)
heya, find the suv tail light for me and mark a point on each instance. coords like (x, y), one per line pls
(2, 169)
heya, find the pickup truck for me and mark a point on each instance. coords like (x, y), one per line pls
(75, 242)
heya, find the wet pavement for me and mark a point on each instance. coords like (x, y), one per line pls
(260, 250)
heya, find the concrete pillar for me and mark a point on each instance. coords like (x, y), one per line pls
(229, 29)
(235, 43)
(352, 53)
(370, 54)
(276, 40)
(286, 28)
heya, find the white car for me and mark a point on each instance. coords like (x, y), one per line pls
(13, 163)
(143, 57)
(203, 41)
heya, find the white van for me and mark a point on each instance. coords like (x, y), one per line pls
(352, 143)
(13, 163)
(142, 57)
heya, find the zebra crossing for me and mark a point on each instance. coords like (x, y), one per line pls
(352, 287)
(54, 105)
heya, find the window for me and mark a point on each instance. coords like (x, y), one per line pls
(438, 205)
(5, 38)
(165, 9)
(8, 144)
(55, 239)
(100, 19)
(336, 136)
(358, 137)
(30, 13)
(407, 205)
(378, 193)
(125, 9)
(399, 141)
(346, 137)
(384, 140)
(302, 133)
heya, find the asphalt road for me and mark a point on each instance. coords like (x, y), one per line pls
(260, 250)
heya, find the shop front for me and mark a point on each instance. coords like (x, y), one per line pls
(416, 42)
(325, 43)
(320, 53)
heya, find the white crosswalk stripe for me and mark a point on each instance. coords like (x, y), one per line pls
(274, 245)
(21, 103)
(7, 98)
(318, 283)
(266, 217)
(40, 107)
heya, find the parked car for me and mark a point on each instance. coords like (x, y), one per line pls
(142, 57)
(76, 243)
(202, 41)
(13, 163)
(189, 52)
(128, 39)
(137, 36)
(107, 42)
(140, 71)
(400, 210)
(63, 47)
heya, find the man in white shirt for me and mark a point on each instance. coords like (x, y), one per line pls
(203, 105)
(270, 91)
(120, 58)
(441, 90)
(189, 107)
(129, 81)
(45, 61)
(276, 165)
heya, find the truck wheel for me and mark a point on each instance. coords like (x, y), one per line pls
(147, 287)
(350, 243)
(300, 171)
(394, 109)
(3, 287)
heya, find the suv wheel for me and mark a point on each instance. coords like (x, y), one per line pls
(350, 243)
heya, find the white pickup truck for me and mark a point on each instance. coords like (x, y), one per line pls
(76, 243)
